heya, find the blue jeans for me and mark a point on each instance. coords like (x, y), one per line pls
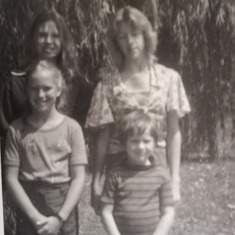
(48, 199)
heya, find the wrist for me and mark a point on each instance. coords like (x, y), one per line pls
(175, 181)
(60, 218)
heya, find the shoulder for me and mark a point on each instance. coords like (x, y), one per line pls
(17, 126)
(14, 80)
(161, 172)
(165, 73)
(109, 75)
(117, 172)
(17, 123)
(17, 76)
(18, 73)
(165, 78)
(71, 123)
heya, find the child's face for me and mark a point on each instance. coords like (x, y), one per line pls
(139, 148)
(48, 41)
(43, 90)
(131, 41)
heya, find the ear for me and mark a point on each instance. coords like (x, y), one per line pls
(26, 90)
(60, 85)
(59, 91)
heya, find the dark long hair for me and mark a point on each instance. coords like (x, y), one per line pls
(67, 59)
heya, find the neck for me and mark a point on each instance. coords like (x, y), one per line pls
(53, 60)
(143, 164)
(38, 119)
(136, 65)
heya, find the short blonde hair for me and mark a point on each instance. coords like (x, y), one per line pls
(45, 65)
(138, 21)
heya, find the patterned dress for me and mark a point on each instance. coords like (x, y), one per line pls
(112, 99)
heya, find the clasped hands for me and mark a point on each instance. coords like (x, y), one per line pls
(48, 225)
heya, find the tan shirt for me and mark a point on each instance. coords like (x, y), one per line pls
(45, 155)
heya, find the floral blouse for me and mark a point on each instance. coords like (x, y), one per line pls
(112, 99)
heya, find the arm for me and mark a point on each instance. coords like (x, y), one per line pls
(166, 221)
(101, 146)
(12, 100)
(53, 224)
(108, 220)
(20, 196)
(74, 192)
(174, 150)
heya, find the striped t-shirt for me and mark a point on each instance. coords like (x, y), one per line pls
(138, 194)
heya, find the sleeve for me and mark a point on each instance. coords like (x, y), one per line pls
(99, 112)
(176, 98)
(12, 149)
(5, 107)
(78, 149)
(12, 101)
(166, 194)
(109, 189)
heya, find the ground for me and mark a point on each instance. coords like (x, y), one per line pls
(207, 206)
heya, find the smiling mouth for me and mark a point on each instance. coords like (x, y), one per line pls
(48, 50)
(41, 103)
(131, 49)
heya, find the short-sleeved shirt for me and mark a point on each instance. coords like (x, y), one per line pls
(138, 194)
(45, 155)
(112, 99)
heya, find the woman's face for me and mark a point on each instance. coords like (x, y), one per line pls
(130, 41)
(48, 41)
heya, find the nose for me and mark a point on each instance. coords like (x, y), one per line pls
(48, 39)
(141, 145)
(129, 39)
(41, 93)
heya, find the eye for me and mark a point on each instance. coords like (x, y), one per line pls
(136, 33)
(134, 141)
(121, 36)
(46, 88)
(42, 34)
(33, 88)
(148, 140)
(55, 35)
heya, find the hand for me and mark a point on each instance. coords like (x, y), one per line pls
(176, 190)
(50, 226)
(41, 220)
(95, 198)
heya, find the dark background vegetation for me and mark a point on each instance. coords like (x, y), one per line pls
(194, 37)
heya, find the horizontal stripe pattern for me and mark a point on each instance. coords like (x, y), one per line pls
(137, 196)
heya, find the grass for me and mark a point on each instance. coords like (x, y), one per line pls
(207, 206)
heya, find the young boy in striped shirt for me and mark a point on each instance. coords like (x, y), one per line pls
(137, 197)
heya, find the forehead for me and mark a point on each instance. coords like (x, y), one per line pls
(44, 77)
(48, 26)
(123, 26)
(141, 133)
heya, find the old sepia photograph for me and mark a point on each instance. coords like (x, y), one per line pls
(117, 117)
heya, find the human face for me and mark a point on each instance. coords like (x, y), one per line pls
(43, 90)
(48, 41)
(130, 41)
(139, 148)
